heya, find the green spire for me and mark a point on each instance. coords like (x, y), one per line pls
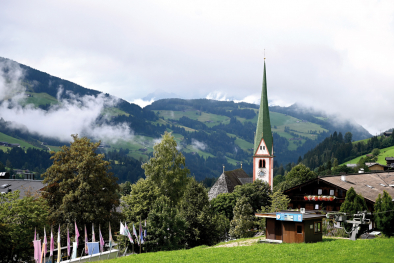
(263, 129)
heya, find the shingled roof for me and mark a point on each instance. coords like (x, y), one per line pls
(227, 182)
(369, 185)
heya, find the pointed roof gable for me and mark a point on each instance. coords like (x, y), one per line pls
(227, 181)
(263, 130)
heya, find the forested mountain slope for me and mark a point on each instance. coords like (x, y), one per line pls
(209, 133)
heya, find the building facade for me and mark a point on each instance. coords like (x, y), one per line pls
(263, 154)
(328, 193)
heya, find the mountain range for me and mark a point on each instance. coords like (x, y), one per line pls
(43, 111)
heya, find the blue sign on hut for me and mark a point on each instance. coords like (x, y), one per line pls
(293, 227)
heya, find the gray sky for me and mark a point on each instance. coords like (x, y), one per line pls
(332, 55)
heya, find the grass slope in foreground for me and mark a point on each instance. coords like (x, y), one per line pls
(330, 250)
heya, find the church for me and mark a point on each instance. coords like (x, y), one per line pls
(263, 154)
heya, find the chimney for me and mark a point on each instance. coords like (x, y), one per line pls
(223, 168)
(241, 165)
(343, 178)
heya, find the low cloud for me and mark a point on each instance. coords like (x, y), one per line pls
(76, 115)
(197, 145)
(217, 95)
(142, 103)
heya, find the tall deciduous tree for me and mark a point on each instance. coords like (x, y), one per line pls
(299, 174)
(80, 187)
(224, 204)
(166, 226)
(205, 226)
(18, 219)
(166, 169)
(258, 193)
(138, 203)
(384, 217)
(243, 220)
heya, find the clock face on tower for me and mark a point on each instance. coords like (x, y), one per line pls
(262, 173)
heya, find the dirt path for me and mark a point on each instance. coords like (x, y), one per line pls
(242, 243)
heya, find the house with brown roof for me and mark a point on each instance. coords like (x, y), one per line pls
(328, 193)
(373, 167)
(227, 181)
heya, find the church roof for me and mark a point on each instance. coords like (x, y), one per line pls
(227, 181)
(263, 130)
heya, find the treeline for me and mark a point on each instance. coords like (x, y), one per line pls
(342, 149)
(32, 159)
(124, 167)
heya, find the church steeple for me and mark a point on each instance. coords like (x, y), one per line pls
(263, 129)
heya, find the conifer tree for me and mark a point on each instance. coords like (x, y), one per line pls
(385, 220)
(353, 203)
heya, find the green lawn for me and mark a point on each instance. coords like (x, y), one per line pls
(330, 250)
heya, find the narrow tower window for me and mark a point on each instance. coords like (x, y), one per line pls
(263, 163)
(260, 163)
(261, 147)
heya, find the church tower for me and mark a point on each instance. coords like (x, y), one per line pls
(263, 158)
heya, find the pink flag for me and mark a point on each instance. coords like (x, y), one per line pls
(68, 242)
(86, 241)
(76, 233)
(37, 250)
(45, 242)
(101, 240)
(59, 250)
(93, 236)
(52, 245)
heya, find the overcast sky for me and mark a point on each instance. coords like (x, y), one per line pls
(332, 55)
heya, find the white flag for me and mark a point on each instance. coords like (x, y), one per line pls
(122, 229)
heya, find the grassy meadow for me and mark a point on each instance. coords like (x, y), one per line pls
(9, 139)
(385, 152)
(38, 99)
(330, 250)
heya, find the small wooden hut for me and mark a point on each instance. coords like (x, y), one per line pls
(293, 227)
